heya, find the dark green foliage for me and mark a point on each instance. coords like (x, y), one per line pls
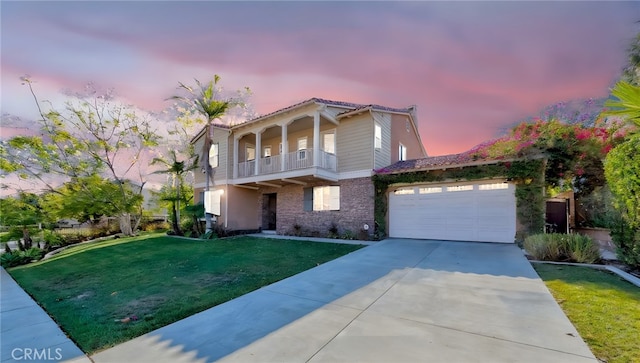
(527, 174)
(17, 258)
(627, 241)
(53, 239)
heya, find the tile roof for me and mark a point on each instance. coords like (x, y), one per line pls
(351, 106)
(466, 158)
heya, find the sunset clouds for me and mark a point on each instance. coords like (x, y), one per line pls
(472, 68)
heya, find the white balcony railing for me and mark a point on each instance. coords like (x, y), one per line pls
(300, 159)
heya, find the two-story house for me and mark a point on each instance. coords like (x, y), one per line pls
(305, 167)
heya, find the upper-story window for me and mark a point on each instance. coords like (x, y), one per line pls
(402, 152)
(213, 155)
(267, 152)
(378, 137)
(250, 152)
(329, 141)
(302, 148)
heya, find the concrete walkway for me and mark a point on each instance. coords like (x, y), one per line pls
(27, 333)
(395, 301)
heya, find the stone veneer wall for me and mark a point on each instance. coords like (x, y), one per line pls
(356, 209)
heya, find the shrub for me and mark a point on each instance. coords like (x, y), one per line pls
(627, 241)
(14, 258)
(17, 258)
(33, 253)
(543, 247)
(562, 247)
(154, 226)
(333, 231)
(52, 238)
(348, 235)
(582, 249)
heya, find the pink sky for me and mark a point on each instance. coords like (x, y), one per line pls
(472, 68)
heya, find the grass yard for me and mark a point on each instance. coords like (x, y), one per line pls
(158, 279)
(604, 308)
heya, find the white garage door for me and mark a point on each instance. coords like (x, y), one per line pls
(484, 212)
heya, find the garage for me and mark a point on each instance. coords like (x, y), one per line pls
(480, 211)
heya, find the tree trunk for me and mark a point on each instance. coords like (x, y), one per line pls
(174, 220)
(125, 224)
(26, 238)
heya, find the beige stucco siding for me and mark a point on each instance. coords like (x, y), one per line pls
(403, 132)
(242, 213)
(354, 144)
(221, 137)
(244, 210)
(199, 177)
(382, 156)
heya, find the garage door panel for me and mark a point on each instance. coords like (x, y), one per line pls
(469, 215)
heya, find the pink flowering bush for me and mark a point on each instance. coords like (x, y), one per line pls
(574, 151)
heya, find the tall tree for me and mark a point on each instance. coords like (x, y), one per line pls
(631, 73)
(176, 170)
(21, 211)
(93, 135)
(208, 101)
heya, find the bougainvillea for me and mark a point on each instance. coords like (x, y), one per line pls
(574, 151)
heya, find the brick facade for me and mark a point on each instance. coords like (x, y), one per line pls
(356, 209)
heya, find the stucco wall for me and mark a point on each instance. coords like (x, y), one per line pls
(400, 133)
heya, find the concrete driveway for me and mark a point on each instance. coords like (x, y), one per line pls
(395, 301)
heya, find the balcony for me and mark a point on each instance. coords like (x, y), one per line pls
(292, 164)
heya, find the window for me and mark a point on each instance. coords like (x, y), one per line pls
(493, 186)
(213, 155)
(212, 201)
(322, 198)
(267, 155)
(378, 137)
(460, 188)
(250, 152)
(404, 191)
(302, 148)
(430, 190)
(329, 142)
(402, 152)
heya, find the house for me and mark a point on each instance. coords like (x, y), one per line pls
(305, 168)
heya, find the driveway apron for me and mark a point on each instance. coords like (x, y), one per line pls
(396, 301)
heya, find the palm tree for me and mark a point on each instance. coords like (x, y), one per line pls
(176, 169)
(207, 101)
(627, 104)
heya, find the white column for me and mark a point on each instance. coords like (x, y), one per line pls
(258, 151)
(285, 149)
(316, 138)
(235, 156)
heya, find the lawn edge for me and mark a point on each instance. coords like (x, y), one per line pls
(628, 277)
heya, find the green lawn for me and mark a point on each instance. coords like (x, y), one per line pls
(604, 308)
(88, 289)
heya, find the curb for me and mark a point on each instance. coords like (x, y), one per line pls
(630, 278)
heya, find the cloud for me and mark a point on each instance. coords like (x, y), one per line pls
(471, 67)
